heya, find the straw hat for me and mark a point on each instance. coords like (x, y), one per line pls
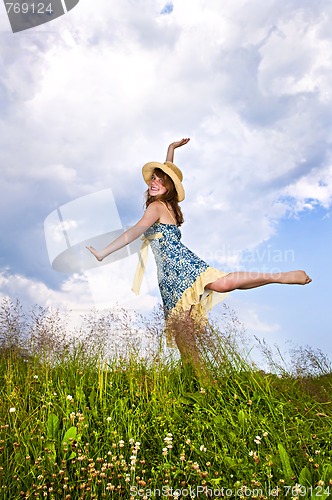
(170, 169)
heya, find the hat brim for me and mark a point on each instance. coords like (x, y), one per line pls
(150, 167)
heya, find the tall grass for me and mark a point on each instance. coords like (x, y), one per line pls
(84, 416)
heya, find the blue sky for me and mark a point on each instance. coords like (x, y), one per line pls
(87, 99)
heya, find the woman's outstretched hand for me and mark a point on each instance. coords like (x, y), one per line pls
(178, 144)
(174, 145)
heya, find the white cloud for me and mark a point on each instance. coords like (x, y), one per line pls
(312, 190)
(102, 288)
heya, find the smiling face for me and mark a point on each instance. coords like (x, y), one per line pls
(156, 186)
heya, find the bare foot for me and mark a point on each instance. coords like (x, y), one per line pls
(296, 278)
(95, 253)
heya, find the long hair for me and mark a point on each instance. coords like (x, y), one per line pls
(170, 197)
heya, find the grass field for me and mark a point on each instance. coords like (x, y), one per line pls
(87, 416)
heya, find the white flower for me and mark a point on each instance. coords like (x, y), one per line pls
(109, 419)
(69, 397)
(202, 447)
(35, 377)
(202, 390)
(297, 489)
(12, 410)
(258, 440)
(168, 439)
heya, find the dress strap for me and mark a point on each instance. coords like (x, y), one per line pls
(168, 210)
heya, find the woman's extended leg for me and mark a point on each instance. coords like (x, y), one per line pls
(246, 280)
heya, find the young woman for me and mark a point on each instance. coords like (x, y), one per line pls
(187, 284)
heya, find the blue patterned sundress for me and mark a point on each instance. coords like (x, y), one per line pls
(182, 275)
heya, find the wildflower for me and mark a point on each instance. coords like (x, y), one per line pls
(121, 443)
(165, 451)
(258, 440)
(202, 390)
(249, 403)
(69, 397)
(254, 455)
(168, 440)
(131, 441)
(188, 441)
(202, 448)
(297, 489)
(109, 419)
(35, 377)
(12, 410)
(265, 434)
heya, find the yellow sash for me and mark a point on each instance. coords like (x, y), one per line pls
(142, 260)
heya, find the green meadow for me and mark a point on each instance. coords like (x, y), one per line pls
(106, 411)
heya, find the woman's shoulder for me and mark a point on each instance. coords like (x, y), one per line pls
(155, 207)
(156, 204)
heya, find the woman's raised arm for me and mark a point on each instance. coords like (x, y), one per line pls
(174, 145)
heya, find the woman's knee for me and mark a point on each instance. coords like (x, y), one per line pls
(223, 285)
